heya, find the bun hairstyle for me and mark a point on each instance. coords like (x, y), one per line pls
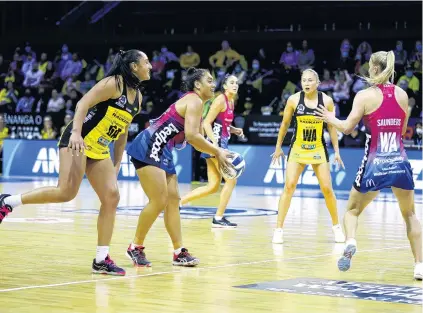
(121, 66)
(385, 61)
(192, 75)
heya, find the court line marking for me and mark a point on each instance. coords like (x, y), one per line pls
(80, 282)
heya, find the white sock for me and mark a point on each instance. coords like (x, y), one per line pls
(133, 245)
(351, 241)
(102, 252)
(177, 251)
(218, 218)
(279, 230)
(13, 201)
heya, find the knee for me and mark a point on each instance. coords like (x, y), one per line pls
(326, 190)
(290, 187)
(214, 187)
(160, 201)
(112, 197)
(67, 194)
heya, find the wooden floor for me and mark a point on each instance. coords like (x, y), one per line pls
(47, 250)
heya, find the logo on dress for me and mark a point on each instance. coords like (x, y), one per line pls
(370, 183)
(300, 108)
(121, 101)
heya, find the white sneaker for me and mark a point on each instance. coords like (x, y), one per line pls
(418, 271)
(278, 236)
(339, 235)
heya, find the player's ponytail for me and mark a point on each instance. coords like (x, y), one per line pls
(121, 66)
(385, 62)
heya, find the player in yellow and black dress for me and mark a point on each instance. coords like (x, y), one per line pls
(102, 116)
(307, 147)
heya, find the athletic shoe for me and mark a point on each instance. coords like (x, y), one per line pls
(223, 223)
(344, 263)
(107, 267)
(5, 208)
(137, 256)
(185, 259)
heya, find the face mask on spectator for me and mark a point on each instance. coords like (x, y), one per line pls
(399, 47)
(418, 131)
(409, 74)
(346, 46)
(164, 50)
(289, 49)
(345, 54)
(155, 58)
(255, 66)
(65, 49)
(419, 47)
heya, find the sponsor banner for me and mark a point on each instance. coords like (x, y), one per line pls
(263, 130)
(260, 172)
(41, 158)
(343, 289)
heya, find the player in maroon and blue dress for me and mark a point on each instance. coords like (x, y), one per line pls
(218, 128)
(151, 154)
(383, 108)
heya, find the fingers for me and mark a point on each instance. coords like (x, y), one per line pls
(342, 164)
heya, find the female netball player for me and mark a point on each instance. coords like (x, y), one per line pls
(102, 116)
(383, 107)
(151, 154)
(307, 147)
(218, 128)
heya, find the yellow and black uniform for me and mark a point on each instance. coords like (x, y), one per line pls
(308, 144)
(104, 123)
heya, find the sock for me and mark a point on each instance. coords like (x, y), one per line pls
(218, 218)
(13, 201)
(177, 251)
(133, 245)
(351, 241)
(102, 252)
(279, 229)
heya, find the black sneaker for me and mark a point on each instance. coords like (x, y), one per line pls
(185, 259)
(107, 267)
(137, 256)
(4, 208)
(223, 223)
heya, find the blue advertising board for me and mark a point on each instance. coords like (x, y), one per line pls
(41, 158)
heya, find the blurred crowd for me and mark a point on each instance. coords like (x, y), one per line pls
(35, 82)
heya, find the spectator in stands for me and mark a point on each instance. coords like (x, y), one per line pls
(167, 56)
(189, 59)
(72, 67)
(157, 64)
(417, 136)
(87, 84)
(343, 83)
(43, 62)
(15, 65)
(254, 76)
(33, 77)
(248, 106)
(361, 83)
(62, 58)
(48, 132)
(345, 47)
(9, 96)
(56, 102)
(413, 81)
(327, 84)
(71, 82)
(4, 132)
(306, 57)
(68, 118)
(41, 100)
(355, 139)
(25, 103)
(71, 99)
(416, 57)
(224, 58)
(362, 56)
(400, 57)
(289, 58)
(28, 64)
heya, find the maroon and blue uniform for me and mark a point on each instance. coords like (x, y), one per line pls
(385, 163)
(221, 127)
(154, 145)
